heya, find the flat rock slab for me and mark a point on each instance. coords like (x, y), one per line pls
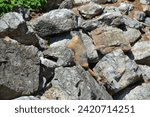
(108, 39)
(19, 69)
(117, 70)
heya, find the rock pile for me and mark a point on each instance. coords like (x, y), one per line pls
(78, 50)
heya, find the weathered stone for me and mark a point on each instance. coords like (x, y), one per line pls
(141, 52)
(132, 35)
(112, 19)
(19, 69)
(90, 48)
(75, 83)
(112, 10)
(13, 25)
(132, 23)
(145, 1)
(147, 21)
(125, 7)
(79, 2)
(90, 10)
(88, 25)
(145, 70)
(108, 39)
(139, 15)
(54, 22)
(68, 4)
(117, 70)
(60, 40)
(141, 92)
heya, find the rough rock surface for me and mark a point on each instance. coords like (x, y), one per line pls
(141, 52)
(117, 75)
(90, 10)
(139, 93)
(108, 39)
(19, 69)
(75, 83)
(54, 22)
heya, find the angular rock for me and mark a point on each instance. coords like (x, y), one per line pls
(132, 23)
(13, 25)
(139, 15)
(141, 92)
(19, 69)
(132, 35)
(88, 25)
(145, 70)
(125, 7)
(54, 22)
(90, 10)
(112, 10)
(141, 52)
(108, 39)
(68, 4)
(75, 83)
(147, 21)
(117, 70)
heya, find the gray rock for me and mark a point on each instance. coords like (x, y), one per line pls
(54, 22)
(141, 52)
(147, 21)
(80, 2)
(145, 1)
(26, 98)
(125, 7)
(48, 63)
(141, 92)
(132, 35)
(117, 70)
(107, 39)
(60, 40)
(139, 15)
(13, 25)
(145, 70)
(68, 4)
(88, 25)
(75, 83)
(19, 69)
(132, 23)
(111, 1)
(90, 48)
(112, 19)
(112, 10)
(67, 58)
(90, 10)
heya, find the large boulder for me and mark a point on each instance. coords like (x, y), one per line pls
(19, 69)
(107, 39)
(75, 83)
(54, 22)
(117, 71)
